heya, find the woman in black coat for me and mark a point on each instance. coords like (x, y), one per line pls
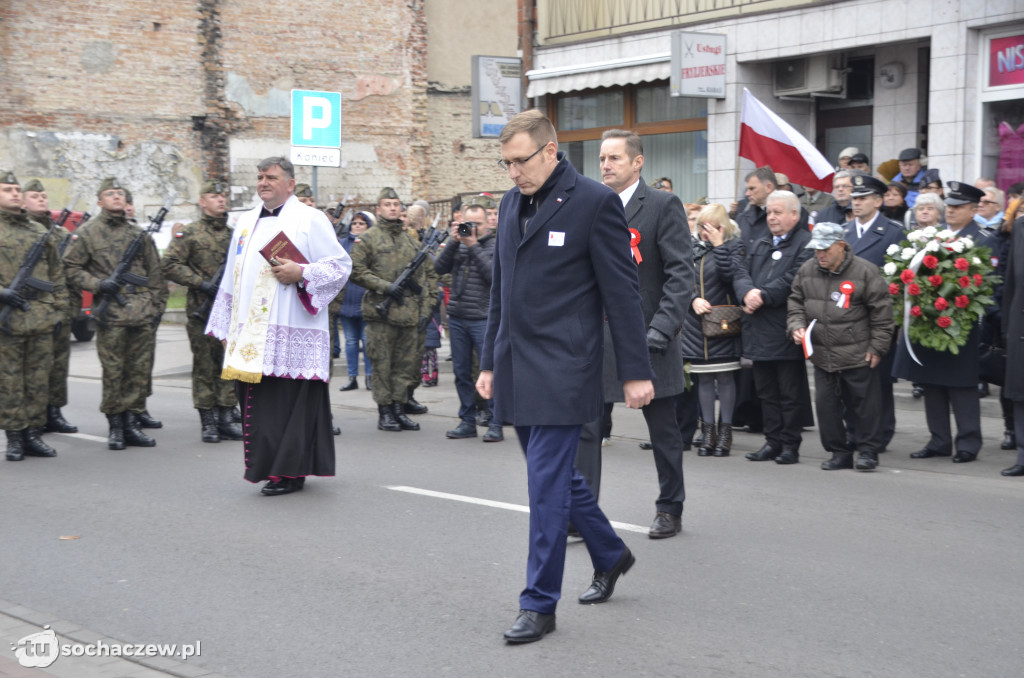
(716, 360)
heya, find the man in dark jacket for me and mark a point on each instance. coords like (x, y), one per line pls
(1013, 330)
(840, 211)
(561, 262)
(844, 302)
(762, 283)
(469, 259)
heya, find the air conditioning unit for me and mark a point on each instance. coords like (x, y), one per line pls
(807, 75)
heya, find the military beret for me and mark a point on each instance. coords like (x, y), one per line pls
(128, 197)
(7, 177)
(864, 184)
(213, 186)
(959, 193)
(387, 193)
(485, 200)
(108, 184)
(910, 154)
(303, 191)
(35, 186)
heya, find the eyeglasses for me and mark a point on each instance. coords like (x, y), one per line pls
(507, 165)
(989, 202)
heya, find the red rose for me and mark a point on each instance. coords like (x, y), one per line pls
(935, 280)
(944, 321)
(930, 261)
(965, 282)
(894, 289)
(907, 276)
(941, 304)
(913, 289)
(962, 264)
(963, 301)
(978, 280)
(915, 311)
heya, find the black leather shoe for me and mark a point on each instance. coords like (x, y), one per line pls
(463, 430)
(133, 434)
(1016, 470)
(646, 445)
(962, 457)
(483, 417)
(603, 586)
(411, 406)
(208, 426)
(15, 446)
(766, 453)
(404, 422)
(838, 461)
(386, 420)
(283, 486)
(1009, 441)
(917, 391)
(665, 525)
(147, 421)
(494, 433)
(335, 431)
(927, 454)
(227, 429)
(530, 626)
(351, 385)
(34, 445)
(115, 440)
(789, 456)
(866, 461)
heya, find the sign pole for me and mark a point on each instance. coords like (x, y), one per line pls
(316, 185)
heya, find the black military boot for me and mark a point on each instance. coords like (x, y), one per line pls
(707, 439)
(387, 422)
(56, 423)
(236, 415)
(146, 421)
(724, 445)
(838, 461)
(209, 423)
(115, 441)
(405, 422)
(34, 446)
(413, 407)
(227, 428)
(866, 461)
(15, 450)
(133, 434)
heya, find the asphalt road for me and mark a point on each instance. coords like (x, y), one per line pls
(914, 570)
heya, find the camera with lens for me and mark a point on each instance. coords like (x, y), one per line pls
(466, 228)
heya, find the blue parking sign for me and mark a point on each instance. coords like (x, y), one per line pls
(316, 118)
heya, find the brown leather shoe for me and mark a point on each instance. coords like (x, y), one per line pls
(665, 525)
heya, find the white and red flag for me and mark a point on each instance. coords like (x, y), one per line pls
(767, 139)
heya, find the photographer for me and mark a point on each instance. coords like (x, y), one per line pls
(468, 256)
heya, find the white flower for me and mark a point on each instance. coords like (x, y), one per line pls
(968, 243)
(930, 232)
(933, 246)
(890, 268)
(976, 261)
(944, 234)
(908, 253)
(892, 250)
(915, 236)
(957, 246)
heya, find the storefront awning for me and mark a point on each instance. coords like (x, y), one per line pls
(615, 72)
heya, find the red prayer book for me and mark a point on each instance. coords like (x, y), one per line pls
(282, 246)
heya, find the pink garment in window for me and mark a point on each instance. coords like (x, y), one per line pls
(1010, 169)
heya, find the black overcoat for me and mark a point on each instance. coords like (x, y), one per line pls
(1013, 315)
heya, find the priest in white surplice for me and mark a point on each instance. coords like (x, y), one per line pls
(273, 320)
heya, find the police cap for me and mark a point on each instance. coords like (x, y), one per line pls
(867, 185)
(959, 193)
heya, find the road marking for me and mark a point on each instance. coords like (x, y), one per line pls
(495, 504)
(85, 436)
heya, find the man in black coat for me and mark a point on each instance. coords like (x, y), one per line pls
(762, 283)
(1013, 329)
(561, 262)
(660, 244)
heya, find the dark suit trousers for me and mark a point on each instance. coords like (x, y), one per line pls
(780, 384)
(967, 411)
(588, 455)
(558, 495)
(687, 412)
(856, 391)
(667, 441)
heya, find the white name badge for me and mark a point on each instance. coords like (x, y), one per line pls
(556, 238)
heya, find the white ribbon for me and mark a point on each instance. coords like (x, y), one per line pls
(915, 264)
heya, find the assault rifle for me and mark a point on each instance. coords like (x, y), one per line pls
(67, 239)
(431, 238)
(122, 274)
(203, 312)
(23, 281)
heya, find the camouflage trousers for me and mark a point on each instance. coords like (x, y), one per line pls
(394, 356)
(24, 377)
(416, 374)
(126, 354)
(61, 365)
(208, 389)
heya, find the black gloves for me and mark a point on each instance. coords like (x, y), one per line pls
(657, 342)
(156, 321)
(109, 286)
(208, 288)
(11, 298)
(395, 292)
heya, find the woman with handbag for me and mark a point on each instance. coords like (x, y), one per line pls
(711, 333)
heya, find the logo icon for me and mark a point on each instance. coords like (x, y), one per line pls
(37, 650)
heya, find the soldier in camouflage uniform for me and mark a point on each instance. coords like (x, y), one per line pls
(305, 194)
(415, 226)
(26, 340)
(124, 338)
(194, 259)
(37, 204)
(378, 257)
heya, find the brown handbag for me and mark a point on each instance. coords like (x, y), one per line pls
(720, 321)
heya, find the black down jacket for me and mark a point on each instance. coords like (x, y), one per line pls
(714, 273)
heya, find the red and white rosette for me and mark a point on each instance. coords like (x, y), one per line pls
(634, 244)
(846, 289)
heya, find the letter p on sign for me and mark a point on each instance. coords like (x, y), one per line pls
(316, 118)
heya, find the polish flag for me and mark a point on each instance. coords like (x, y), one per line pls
(767, 139)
